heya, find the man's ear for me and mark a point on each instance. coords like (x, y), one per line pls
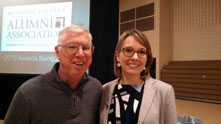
(57, 52)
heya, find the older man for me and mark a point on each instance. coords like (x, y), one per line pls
(65, 95)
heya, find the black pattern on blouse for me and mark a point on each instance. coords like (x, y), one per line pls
(125, 104)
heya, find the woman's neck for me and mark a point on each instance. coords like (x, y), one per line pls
(131, 80)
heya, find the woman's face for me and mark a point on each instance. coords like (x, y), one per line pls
(132, 63)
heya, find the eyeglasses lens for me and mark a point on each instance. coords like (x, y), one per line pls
(129, 52)
(72, 48)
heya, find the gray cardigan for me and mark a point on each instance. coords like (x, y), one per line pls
(46, 99)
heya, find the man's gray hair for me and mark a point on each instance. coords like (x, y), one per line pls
(73, 29)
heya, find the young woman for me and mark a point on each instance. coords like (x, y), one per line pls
(134, 97)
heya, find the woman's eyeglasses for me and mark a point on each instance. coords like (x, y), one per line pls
(129, 52)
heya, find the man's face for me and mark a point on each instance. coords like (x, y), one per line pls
(75, 54)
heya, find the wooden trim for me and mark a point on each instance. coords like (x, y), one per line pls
(194, 79)
(197, 90)
(192, 76)
(192, 71)
(198, 96)
(202, 62)
(197, 81)
(191, 85)
(210, 67)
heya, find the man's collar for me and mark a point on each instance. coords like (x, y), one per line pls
(84, 79)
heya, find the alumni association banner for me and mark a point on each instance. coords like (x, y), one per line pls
(34, 27)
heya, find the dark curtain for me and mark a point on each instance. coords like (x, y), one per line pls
(9, 83)
(104, 29)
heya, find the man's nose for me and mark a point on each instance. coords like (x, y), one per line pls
(80, 51)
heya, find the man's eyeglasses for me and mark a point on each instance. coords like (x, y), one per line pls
(74, 47)
(129, 52)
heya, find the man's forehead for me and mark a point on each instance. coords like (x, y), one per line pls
(78, 38)
(76, 34)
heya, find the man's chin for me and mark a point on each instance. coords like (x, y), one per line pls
(78, 72)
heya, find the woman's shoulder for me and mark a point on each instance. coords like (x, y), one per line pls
(161, 87)
(159, 83)
(110, 84)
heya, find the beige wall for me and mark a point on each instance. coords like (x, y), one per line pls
(197, 30)
(166, 33)
(183, 30)
(129, 4)
(153, 35)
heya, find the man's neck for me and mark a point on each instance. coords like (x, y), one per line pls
(72, 80)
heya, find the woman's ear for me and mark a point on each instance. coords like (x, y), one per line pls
(117, 56)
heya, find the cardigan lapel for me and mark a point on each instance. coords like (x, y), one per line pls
(107, 101)
(148, 96)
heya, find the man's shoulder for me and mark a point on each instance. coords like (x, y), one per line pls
(33, 83)
(94, 81)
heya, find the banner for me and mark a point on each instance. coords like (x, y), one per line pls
(34, 27)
